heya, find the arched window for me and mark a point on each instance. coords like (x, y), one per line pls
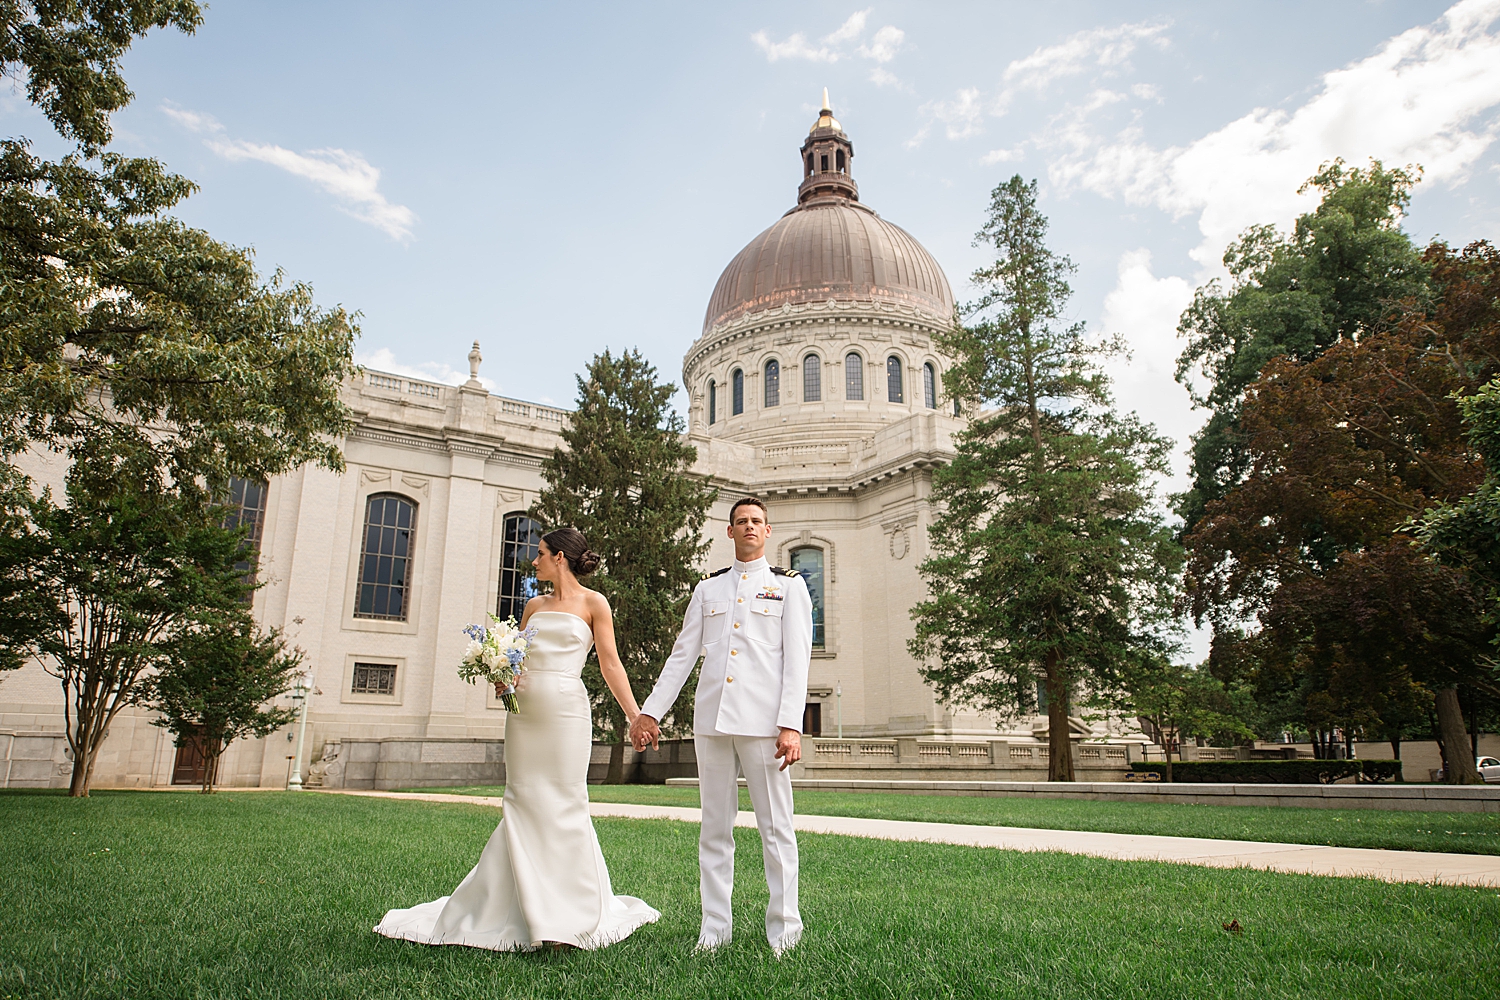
(929, 386)
(809, 163)
(893, 379)
(773, 382)
(812, 379)
(809, 562)
(956, 411)
(839, 161)
(737, 391)
(713, 400)
(823, 162)
(854, 376)
(518, 546)
(385, 558)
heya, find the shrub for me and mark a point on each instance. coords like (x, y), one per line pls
(1273, 772)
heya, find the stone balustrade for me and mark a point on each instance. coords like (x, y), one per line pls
(910, 758)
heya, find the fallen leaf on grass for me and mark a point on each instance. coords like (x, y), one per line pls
(1233, 927)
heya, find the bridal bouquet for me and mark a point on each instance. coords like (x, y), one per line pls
(497, 652)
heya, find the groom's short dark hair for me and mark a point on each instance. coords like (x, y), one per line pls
(751, 502)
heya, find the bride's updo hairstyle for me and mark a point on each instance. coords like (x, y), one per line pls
(582, 560)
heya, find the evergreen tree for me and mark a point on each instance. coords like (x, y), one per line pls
(623, 481)
(1050, 562)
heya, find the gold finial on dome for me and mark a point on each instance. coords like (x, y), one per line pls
(825, 117)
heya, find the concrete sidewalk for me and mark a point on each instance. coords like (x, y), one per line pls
(1303, 859)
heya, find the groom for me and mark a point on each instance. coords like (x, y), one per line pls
(752, 624)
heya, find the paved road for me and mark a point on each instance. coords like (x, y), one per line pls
(1389, 866)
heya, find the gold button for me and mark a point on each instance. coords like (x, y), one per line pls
(741, 600)
(736, 624)
(729, 680)
(734, 652)
(744, 576)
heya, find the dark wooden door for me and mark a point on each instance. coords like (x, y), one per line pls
(188, 768)
(812, 719)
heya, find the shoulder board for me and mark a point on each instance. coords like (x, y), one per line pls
(784, 572)
(717, 572)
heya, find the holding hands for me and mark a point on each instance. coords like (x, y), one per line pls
(644, 732)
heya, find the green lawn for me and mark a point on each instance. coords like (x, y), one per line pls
(1460, 833)
(272, 895)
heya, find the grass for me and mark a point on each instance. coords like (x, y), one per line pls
(272, 895)
(1459, 833)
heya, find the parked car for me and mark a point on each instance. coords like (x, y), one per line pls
(1489, 770)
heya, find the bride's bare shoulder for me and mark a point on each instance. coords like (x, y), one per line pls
(597, 602)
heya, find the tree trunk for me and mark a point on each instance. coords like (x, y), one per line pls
(616, 773)
(1167, 747)
(1458, 765)
(1059, 746)
(213, 752)
(1396, 756)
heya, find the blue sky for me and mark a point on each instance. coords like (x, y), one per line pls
(554, 180)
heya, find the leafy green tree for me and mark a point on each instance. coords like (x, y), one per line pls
(215, 683)
(151, 356)
(1341, 451)
(118, 322)
(623, 481)
(1466, 534)
(124, 576)
(1181, 703)
(1050, 561)
(1335, 277)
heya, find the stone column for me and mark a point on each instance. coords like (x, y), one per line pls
(465, 555)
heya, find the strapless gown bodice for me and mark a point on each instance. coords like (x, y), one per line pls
(542, 876)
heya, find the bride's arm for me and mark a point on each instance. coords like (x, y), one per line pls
(609, 657)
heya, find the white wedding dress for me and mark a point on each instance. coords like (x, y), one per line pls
(542, 876)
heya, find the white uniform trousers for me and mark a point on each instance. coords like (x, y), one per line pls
(721, 759)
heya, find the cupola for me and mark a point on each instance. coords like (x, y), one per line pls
(826, 158)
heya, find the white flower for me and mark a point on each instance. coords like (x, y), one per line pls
(473, 653)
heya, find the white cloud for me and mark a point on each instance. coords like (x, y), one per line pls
(1105, 48)
(880, 76)
(349, 177)
(384, 360)
(1427, 96)
(850, 29)
(1105, 51)
(795, 47)
(1002, 156)
(883, 46)
(962, 115)
(1144, 309)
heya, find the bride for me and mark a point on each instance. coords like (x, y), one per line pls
(541, 879)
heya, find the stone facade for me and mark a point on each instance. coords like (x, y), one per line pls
(815, 384)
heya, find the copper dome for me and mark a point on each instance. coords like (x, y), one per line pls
(829, 247)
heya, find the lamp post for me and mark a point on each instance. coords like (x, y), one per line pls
(838, 706)
(301, 693)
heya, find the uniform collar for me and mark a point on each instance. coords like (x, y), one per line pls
(751, 566)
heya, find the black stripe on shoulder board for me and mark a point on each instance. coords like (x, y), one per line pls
(717, 572)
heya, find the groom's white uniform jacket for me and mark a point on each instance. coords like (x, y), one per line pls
(753, 628)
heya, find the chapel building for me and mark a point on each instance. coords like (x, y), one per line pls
(815, 384)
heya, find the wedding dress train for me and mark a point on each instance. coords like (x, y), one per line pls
(542, 876)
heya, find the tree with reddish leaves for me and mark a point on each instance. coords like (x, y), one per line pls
(1342, 452)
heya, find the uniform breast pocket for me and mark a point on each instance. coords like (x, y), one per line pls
(715, 618)
(764, 625)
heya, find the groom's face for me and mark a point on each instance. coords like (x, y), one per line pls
(749, 530)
